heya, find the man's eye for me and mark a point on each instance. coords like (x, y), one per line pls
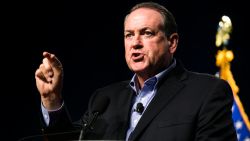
(148, 33)
(128, 35)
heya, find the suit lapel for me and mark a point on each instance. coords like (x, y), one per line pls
(125, 100)
(167, 90)
(127, 104)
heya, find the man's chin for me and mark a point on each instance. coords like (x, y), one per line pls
(138, 66)
(138, 70)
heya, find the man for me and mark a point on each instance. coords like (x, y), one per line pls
(162, 101)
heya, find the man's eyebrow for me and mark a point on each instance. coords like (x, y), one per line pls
(141, 29)
(128, 30)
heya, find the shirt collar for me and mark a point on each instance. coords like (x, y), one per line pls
(153, 81)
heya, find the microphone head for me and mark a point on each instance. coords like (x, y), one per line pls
(139, 108)
(100, 105)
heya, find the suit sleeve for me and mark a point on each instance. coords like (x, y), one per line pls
(61, 126)
(59, 122)
(215, 117)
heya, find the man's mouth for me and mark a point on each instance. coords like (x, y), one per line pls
(136, 57)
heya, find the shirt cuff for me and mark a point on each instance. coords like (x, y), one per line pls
(46, 112)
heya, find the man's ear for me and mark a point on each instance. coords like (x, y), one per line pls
(173, 42)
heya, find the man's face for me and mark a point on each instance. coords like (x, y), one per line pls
(146, 46)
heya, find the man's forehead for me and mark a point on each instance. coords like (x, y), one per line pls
(143, 18)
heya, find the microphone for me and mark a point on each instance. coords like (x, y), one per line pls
(139, 108)
(101, 105)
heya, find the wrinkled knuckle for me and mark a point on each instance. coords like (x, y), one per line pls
(41, 66)
(52, 55)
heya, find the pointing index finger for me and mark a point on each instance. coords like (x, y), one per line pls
(53, 60)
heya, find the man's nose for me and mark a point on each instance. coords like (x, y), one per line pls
(137, 44)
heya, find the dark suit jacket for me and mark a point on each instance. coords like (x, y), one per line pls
(188, 106)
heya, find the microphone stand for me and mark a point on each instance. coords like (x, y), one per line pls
(88, 125)
(99, 108)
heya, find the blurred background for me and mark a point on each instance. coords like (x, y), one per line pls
(87, 36)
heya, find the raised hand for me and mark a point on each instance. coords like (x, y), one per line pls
(49, 81)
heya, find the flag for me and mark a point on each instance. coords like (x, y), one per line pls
(241, 121)
(223, 59)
